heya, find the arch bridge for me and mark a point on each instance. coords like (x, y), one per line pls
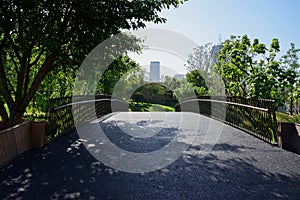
(255, 116)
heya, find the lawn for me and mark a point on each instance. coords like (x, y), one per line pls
(282, 117)
(149, 107)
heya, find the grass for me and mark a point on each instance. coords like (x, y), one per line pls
(161, 108)
(149, 107)
(282, 117)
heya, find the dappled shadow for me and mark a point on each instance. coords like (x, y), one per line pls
(228, 147)
(65, 170)
(161, 136)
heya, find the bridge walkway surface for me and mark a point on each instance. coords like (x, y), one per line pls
(239, 166)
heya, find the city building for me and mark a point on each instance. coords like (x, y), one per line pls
(154, 71)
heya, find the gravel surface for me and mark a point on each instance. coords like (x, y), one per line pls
(239, 166)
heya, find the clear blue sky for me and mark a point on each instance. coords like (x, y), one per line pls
(204, 20)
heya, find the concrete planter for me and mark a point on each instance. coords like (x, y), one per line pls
(22, 137)
(289, 136)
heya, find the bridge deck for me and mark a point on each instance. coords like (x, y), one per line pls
(239, 166)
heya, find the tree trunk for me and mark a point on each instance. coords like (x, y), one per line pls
(291, 105)
(12, 120)
(3, 112)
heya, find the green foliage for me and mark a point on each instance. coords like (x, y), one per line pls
(250, 69)
(129, 82)
(39, 37)
(154, 93)
(171, 82)
(201, 90)
(290, 79)
(113, 73)
(193, 84)
(137, 97)
(195, 78)
(201, 73)
(185, 90)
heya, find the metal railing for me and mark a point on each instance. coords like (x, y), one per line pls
(86, 108)
(255, 116)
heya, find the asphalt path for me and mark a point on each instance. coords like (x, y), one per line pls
(153, 156)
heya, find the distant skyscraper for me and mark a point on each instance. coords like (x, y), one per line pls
(154, 71)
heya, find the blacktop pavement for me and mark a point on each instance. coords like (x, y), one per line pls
(239, 166)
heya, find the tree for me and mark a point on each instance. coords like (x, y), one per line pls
(37, 37)
(195, 78)
(290, 62)
(171, 82)
(154, 93)
(129, 82)
(249, 68)
(201, 58)
(113, 73)
(185, 90)
(52, 87)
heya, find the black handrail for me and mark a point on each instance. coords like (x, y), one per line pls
(255, 116)
(60, 111)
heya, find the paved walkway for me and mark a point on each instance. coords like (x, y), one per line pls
(239, 166)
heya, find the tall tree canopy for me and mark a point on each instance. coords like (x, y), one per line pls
(250, 68)
(290, 62)
(201, 58)
(195, 78)
(37, 37)
(200, 64)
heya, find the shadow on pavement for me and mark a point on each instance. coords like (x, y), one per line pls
(64, 169)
